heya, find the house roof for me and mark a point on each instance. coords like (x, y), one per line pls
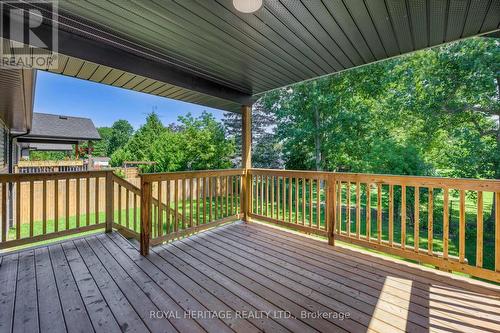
(47, 127)
(49, 146)
(208, 53)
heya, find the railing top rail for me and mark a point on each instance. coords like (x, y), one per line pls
(23, 177)
(190, 174)
(421, 181)
(290, 173)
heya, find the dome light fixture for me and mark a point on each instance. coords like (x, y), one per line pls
(247, 6)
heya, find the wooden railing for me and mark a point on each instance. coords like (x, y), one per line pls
(177, 204)
(292, 198)
(38, 207)
(50, 166)
(444, 222)
(452, 224)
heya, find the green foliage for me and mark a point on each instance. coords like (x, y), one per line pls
(47, 155)
(433, 112)
(121, 131)
(194, 144)
(101, 146)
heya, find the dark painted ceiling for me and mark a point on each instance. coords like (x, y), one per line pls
(231, 57)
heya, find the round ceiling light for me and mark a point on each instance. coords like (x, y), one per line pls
(247, 6)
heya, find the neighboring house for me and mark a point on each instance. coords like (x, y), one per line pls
(56, 132)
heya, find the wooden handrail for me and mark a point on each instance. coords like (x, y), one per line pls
(338, 206)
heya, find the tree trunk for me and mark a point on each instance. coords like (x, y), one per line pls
(317, 139)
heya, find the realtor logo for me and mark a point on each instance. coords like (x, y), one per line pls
(29, 34)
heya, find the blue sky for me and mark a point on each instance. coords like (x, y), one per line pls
(58, 94)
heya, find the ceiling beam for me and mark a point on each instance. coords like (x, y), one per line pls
(95, 48)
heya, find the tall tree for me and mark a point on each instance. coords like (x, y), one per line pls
(101, 146)
(264, 142)
(121, 131)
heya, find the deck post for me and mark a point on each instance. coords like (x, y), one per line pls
(146, 194)
(109, 200)
(331, 205)
(246, 160)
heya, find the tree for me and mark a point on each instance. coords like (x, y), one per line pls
(121, 131)
(101, 146)
(140, 144)
(263, 138)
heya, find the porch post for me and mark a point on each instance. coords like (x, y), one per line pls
(109, 200)
(146, 193)
(246, 158)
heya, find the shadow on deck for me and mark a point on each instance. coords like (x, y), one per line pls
(235, 278)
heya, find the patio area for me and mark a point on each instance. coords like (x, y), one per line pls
(238, 277)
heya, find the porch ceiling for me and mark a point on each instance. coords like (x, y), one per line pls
(208, 53)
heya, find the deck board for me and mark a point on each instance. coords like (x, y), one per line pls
(101, 283)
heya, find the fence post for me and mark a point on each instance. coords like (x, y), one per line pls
(146, 193)
(331, 205)
(109, 200)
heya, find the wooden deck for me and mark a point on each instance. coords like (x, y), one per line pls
(235, 278)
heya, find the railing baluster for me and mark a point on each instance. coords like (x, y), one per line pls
(32, 207)
(416, 217)
(368, 212)
(184, 203)
(283, 199)
(56, 205)
(403, 217)
(391, 215)
(127, 208)
(191, 188)
(77, 202)
(318, 203)
(310, 201)
(289, 200)
(446, 222)
(461, 231)
(210, 191)
(479, 231)
(96, 200)
(67, 204)
(120, 205)
(348, 209)
(379, 213)
(296, 200)
(358, 210)
(262, 195)
(4, 211)
(18, 210)
(339, 202)
(272, 196)
(226, 191)
(167, 199)
(135, 212)
(205, 195)
(430, 220)
(199, 194)
(176, 205)
(267, 196)
(497, 231)
(278, 198)
(44, 207)
(87, 204)
(303, 201)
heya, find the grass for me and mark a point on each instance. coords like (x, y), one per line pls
(120, 218)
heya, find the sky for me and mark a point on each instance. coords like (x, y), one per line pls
(58, 94)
